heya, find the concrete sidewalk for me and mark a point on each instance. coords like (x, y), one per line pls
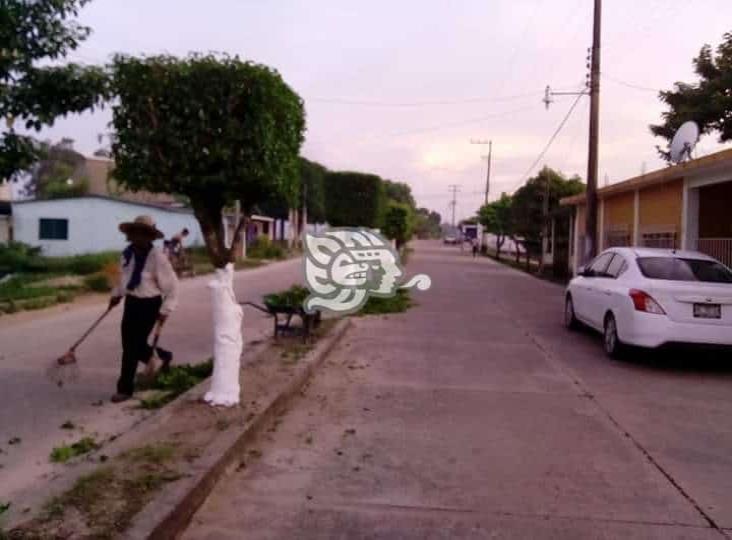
(33, 408)
(459, 419)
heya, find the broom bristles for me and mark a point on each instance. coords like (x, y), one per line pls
(62, 374)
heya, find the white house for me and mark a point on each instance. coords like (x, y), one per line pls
(90, 224)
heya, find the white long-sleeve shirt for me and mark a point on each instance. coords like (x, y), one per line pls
(158, 279)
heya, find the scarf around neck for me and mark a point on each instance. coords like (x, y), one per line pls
(139, 262)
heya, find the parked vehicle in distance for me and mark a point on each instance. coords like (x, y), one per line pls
(649, 297)
(450, 239)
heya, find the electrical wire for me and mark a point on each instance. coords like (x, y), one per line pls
(366, 103)
(629, 85)
(551, 141)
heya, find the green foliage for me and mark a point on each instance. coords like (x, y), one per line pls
(174, 382)
(312, 176)
(377, 305)
(398, 223)
(399, 192)
(21, 258)
(32, 33)
(63, 453)
(527, 206)
(21, 288)
(496, 218)
(97, 283)
(354, 199)
(59, 163)
(212, 128)
(427, 223)
(264, 248)
(708, 102)
(289, 298)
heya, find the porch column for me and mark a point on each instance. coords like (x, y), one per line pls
(690, 217)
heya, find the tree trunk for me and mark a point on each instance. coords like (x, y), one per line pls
(227, 313)
(499, 244)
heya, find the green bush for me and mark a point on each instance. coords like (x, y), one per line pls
(264, 248)
(97, 283)
(377, 305)
(18, 288)
(290, 298)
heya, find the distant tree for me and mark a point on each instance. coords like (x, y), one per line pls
(527, 208)
(496, 219)
(312, 177)
(58, 173)
(399, 192)
(708, 102)
(354, 199)
(31, 34)
(427, 223)
(398, 223)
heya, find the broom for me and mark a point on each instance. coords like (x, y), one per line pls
(64, 369)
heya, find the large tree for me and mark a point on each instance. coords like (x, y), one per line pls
(398, 223)
(708, 102)
(427, 223)
(216, 130)
(33, 95)
(59, 173)
(354, 199)
(212, 128)
(399, 192)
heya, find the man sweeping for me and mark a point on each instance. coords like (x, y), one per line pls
(149, 287)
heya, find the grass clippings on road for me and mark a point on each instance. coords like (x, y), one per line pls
(174, 382)
(65, 452)
(102, 503)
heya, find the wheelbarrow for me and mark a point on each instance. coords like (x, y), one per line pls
(283, 316)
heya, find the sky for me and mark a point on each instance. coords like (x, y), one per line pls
(401, 88)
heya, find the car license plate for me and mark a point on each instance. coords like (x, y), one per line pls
(707, 311)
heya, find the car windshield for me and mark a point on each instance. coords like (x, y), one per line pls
(678, 269)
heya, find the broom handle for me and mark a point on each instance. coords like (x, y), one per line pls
(91, 328)
(156, 336)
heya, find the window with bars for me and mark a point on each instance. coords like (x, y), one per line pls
(53, 229)
(617, 239)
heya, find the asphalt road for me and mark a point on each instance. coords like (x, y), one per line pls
(32, 408)
(477, 415)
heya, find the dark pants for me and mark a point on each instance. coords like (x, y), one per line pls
(475, 251)
(138, 321)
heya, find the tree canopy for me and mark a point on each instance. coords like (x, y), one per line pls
(354, 199)
(213, 128)
(32, 32)
(398, 223)
(497, 219)
(427, 223)
(708, 102)
(58, 172)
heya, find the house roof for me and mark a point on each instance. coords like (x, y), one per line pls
(163, 207)
(659, 176)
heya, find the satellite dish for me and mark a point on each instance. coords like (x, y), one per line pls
(684, 142)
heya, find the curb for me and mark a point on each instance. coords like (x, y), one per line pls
(170, 512)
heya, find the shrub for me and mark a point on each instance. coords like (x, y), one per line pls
(377, 305)
(18, 288)
(264, 248)
(290, 298)
(97, 283)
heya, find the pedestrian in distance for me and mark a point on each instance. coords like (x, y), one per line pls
(474, 243)
(149, 288)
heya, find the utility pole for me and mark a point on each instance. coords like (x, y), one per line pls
(488, 158)
(453, 188)
(590, 248)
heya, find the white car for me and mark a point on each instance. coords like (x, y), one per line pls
(648, 297)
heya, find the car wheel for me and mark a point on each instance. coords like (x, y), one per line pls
(570, 321)
(611, 341)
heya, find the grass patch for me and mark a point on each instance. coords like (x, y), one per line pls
(173, 383)
(63, 453)
(97, 283)
(102, 504)
(291, 298)
(398, 303)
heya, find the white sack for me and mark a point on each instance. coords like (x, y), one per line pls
(228, 341)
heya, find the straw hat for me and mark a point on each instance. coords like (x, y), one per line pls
(142, 223)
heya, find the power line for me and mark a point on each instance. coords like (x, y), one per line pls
(366, 103)
(630, 85)
(551, 139)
